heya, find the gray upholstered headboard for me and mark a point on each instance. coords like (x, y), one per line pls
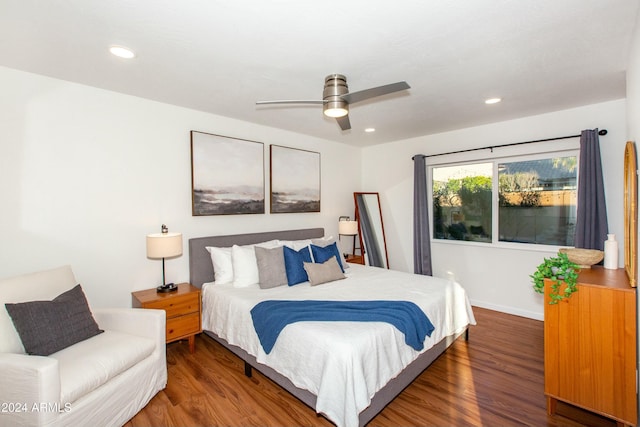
(200, 266)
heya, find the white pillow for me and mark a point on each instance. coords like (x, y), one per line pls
(222, 265)
(245, 266)
(223, 262)
(270, 244)
(323, 241)
(296, 245)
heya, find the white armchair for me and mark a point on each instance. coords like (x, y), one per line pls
(102, 381)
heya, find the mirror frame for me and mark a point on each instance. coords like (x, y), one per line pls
(631, 213)
(363, 249)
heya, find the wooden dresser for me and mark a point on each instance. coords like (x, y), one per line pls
(182, 308)
(590, 346)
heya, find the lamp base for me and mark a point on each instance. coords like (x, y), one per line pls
(169, 287)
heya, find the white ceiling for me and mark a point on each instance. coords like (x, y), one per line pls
(222, 56)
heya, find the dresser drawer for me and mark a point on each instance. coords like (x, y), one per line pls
(178, 327)
(177, 306)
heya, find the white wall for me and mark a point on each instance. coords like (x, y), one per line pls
(633, 117)
(86, 173)
(633, 86)
(496, 278)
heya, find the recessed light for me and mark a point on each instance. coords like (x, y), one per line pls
(492, 100)
(122, 52)
(369, 130)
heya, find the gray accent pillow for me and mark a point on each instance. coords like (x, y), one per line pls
(328, 271)
(271, 268)
(46, 327)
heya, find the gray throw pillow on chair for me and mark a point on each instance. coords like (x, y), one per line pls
(46, 327)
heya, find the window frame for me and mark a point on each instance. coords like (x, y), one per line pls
(495, 232)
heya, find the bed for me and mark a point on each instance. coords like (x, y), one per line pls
(346, 371)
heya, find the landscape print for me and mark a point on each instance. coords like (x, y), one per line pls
(227, 175)
(295, 180)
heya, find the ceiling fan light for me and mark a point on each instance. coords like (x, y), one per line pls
(122, 52)
(335, 112)
(335, 85)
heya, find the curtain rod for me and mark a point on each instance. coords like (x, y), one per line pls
(491, 147)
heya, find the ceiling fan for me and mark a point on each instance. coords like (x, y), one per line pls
(336, 97)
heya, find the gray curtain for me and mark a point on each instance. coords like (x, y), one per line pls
(421, 237)
(591, 221)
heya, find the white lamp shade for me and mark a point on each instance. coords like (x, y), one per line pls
(164, 245)
(348, 228)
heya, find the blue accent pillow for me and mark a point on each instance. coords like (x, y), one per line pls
(294, 264)
(322, 254)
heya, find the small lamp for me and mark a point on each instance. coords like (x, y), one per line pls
(164, 245)
(348, 227)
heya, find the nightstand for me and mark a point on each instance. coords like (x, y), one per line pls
(355, 259)
(182, 308)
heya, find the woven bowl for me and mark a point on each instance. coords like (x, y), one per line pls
(585, 258)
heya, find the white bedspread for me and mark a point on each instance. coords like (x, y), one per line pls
(343, 363)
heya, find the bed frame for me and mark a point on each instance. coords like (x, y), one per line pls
(201, 271)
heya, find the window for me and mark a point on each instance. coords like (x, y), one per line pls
(534, 202)
(462, 202)
(537, 201)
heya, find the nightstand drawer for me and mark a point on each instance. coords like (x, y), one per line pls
(182, 326)
(177, 306)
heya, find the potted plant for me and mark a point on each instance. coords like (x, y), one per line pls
(559, 270)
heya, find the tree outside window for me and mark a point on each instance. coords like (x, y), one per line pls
(462, 202)
(536, 201)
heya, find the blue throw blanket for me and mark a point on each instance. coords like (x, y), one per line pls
(270, 317)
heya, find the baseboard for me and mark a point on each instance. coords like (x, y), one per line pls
(508, 310)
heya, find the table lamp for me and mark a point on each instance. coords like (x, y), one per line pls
(348, 227)
(164, 245)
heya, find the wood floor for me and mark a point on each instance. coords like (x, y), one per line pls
(494, 379)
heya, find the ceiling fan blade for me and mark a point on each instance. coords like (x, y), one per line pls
(290, 101)
(375, 91)
(344, 122)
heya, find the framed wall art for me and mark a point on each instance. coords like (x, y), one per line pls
(295, 180)
(227, 175)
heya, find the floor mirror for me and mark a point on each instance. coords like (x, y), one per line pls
(371, 229)
(631, 213)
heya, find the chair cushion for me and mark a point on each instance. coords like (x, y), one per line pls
(89, 364)
(49, 326)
